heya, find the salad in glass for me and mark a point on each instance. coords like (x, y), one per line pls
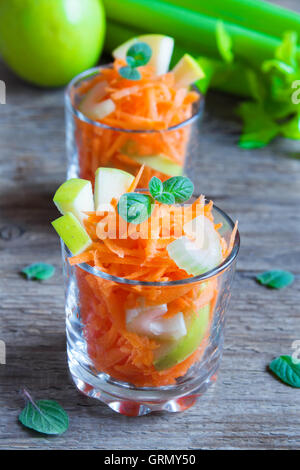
(134, 112)
(148, 275)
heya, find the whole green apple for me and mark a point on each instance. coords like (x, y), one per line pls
(48, 42)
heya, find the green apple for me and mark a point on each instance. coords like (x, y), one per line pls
(72, 233)
(76, 196)
(162, 50)
(170, 355)
(110, 183)
(159, 163)
(201, 254)
(187, 71)
(48, 42)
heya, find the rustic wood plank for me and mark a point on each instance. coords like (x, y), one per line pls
(247, 407)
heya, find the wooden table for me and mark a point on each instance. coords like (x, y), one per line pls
(247, 408)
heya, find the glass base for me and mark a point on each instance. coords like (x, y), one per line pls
(132, 401)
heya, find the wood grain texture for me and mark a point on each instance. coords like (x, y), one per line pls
(247, 408)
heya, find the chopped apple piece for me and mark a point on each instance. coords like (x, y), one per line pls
(72, 233)
(187, 71)
(168, 355)
(93, 96)
(160, 163)
(98, 111)
(76, 196)
(149, 321)
(162, 50)
(110, 183)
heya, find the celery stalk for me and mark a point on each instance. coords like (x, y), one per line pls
(258, 15)
(193, 31)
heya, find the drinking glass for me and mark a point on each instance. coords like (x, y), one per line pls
(91, 144)
(124, 370)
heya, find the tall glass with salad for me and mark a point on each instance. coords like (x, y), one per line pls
(148, 274)
(135, 111)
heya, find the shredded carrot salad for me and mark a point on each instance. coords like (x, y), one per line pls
(113, 349)
(152, 103)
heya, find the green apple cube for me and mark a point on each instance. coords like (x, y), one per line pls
(75, 196)
(98, 111)
(161, 46)
(72, 233)
(187, 71)
(201, 254)
(160, 163)
(110, 183)
(168, 355)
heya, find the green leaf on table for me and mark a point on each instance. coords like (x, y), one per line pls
(279, 66)
(39, 271)
(155, 186)
(181, 187)
(44, 416)
(256, 85)
(224, 42)
(276, 279)
(259, 128)
(287, 50)
(288, 371)
(166, 198)
(135, 208)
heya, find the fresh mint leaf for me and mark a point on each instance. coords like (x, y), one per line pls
(224, 43)
(166, 198)
(284, 368)
(129, 73)
(135, 208)
(275, 279)
(44, 416)
(139, 54)
(39, 271)
(155, 186)
(180, 186)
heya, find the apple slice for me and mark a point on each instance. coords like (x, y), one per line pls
(98, 111)
(168, 355)
(110, 183)
(187, 71)
(72, 233)
(162, 50)
(201, 254)
(76, 196)
(159, 163)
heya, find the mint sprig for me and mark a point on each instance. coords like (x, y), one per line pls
(44, 416)
(137, 55)
(135, 208)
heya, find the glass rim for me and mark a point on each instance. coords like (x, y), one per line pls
(180, 282)
(87, 73)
